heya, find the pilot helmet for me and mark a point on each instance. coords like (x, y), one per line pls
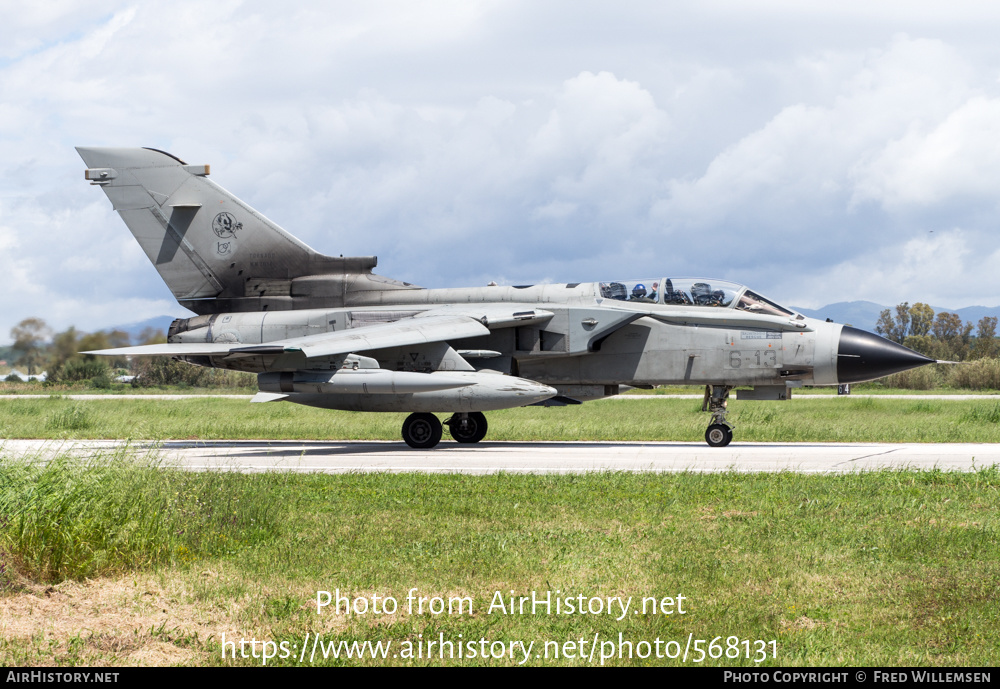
(639, 291)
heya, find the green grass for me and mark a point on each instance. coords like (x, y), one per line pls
(813, 419)
(118, 389)
(72, 518)
(883, 568)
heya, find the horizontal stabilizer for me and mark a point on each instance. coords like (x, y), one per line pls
(557, 401)
(267, 397)
(178, 349)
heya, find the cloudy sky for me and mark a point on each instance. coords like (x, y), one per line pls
(819, 152)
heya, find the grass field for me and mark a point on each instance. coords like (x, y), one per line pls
(813, 419)
(119, 562)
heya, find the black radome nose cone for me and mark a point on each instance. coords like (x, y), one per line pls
(865, 356)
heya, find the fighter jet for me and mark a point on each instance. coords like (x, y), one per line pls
(325, 331)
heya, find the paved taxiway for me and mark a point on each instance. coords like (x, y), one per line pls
(528, 457)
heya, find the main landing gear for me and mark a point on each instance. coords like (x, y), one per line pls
(422, 430)
(719, 433)
(467, 428)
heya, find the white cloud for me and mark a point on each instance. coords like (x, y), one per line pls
(941, 268)
(806, 154)
(957, 159)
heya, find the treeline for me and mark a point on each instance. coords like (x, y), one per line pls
(37, 348)
(943, 336)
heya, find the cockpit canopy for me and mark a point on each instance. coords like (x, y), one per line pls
(691, 292)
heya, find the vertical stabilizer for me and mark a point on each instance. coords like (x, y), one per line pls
(204, 242)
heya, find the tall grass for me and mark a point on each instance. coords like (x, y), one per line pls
(982, 374)
(71, 518)
(923, 378)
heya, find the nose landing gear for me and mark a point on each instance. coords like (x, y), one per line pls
(719, 433)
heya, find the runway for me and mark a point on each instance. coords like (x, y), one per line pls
(88, 397)
(523, 457)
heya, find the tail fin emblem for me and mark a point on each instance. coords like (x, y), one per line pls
(225, 226)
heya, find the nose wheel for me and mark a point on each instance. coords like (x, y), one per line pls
(719, 433)
(422, 431)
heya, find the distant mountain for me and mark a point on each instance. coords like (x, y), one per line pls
(133, 329)
(860, 314)
(864, 314)
(974, 313)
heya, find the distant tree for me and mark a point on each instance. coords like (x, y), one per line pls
(30, 336)
(921, 318)
(986, 344)
(66, 363)
(151, 335)
(902, 321)
(964, 344)
(886, 326)
(946, 326)
(897, 327)
(951, 332)
(105, 340)
(91, 341)
(119, 338)
(64, 347)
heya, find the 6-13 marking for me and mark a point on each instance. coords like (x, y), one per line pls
(753, 358)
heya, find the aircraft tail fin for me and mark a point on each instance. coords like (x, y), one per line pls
(205, 243)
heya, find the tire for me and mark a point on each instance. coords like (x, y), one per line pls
(718, 435)
(421, 431)
(474, 431)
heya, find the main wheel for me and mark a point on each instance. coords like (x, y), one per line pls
(421, 430)
(719, 435)
(472, 429)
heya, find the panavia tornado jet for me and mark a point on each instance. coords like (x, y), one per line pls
(327, 332)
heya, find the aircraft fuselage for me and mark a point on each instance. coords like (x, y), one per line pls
(583, 340)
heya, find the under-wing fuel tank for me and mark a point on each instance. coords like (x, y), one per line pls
(381, 390)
